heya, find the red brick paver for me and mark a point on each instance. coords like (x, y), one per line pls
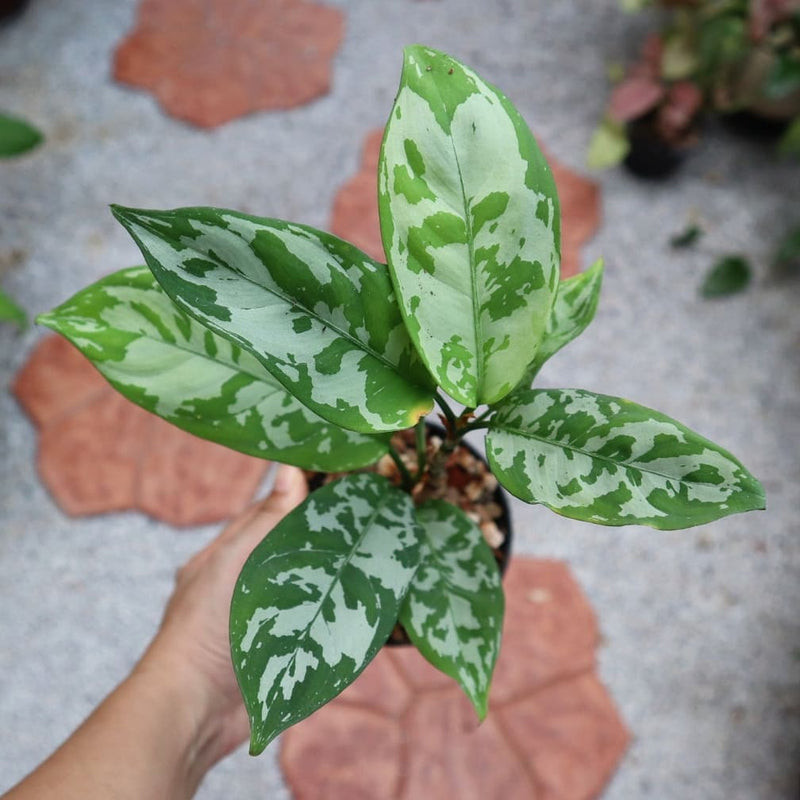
(210, 61)
(403, 731)
(99, 452)
(355, 208)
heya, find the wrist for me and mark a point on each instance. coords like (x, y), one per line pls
(195, 721)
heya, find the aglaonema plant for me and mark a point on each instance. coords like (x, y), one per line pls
(288, 343)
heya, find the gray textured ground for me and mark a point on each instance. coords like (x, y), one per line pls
(701, 635)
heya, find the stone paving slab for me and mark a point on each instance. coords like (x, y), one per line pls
(99, 452)
(210, 62)
(404, 730)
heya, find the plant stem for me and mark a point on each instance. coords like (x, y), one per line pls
(422, 450)
(480, 421)
(448, 412)
(474, 426)
(408, 481)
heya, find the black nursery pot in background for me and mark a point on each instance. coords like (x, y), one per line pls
(650, 155)
(755, 127)
(11, 8)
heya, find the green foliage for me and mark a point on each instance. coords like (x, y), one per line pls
(631, 6)
(16, 136)
(609, 145)
(787, 254)
(729, 275)
(722, 41)
(606, 460)
(169, 364)
(784, 78)
(11, 312)
(720, 56)
(283, 341)
(318, 314)
(319, 597)
(454, 609)
(474, 262)
(688, 237)
(789, 144)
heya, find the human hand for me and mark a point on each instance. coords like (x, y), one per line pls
(192, 642)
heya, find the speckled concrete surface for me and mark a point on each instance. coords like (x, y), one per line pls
(702, 639)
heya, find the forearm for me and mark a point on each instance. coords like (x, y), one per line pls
(180, 711)
(146, 740)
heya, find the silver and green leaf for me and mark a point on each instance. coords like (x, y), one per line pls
(607, 460)
(319, 597)
(319, 314)
(470, 225)
(454, 609)
(573, 310)
(169, 364)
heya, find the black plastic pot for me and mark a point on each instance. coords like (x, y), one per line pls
(11, 8)
(502, 553)
(755, 127)
(650, 155)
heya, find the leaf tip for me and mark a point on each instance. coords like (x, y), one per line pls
(481, 706)
(758, 495)
(124, 215)
(260, 736)
(257, 745)
(598, 268)
(47, 318)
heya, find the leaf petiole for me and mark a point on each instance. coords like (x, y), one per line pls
(408, 480)
(422, 450)
(452, 420)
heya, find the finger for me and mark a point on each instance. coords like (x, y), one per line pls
(288, 490)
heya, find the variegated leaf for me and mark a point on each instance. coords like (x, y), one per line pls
(164, 361)
(319, 314)
(319, 597)
(454, 609)
(11, 312)
(573, 310)
(607, 460)
(470, 225)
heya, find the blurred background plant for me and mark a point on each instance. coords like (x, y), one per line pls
(732, 271)
(738, 58)
(16, 137)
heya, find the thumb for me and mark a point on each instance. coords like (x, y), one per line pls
(288, 490)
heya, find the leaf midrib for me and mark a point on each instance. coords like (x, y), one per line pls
(206, 357)
(590, 454)
(459, 658)
(477, 327)
(294, 304)
(304, 636)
